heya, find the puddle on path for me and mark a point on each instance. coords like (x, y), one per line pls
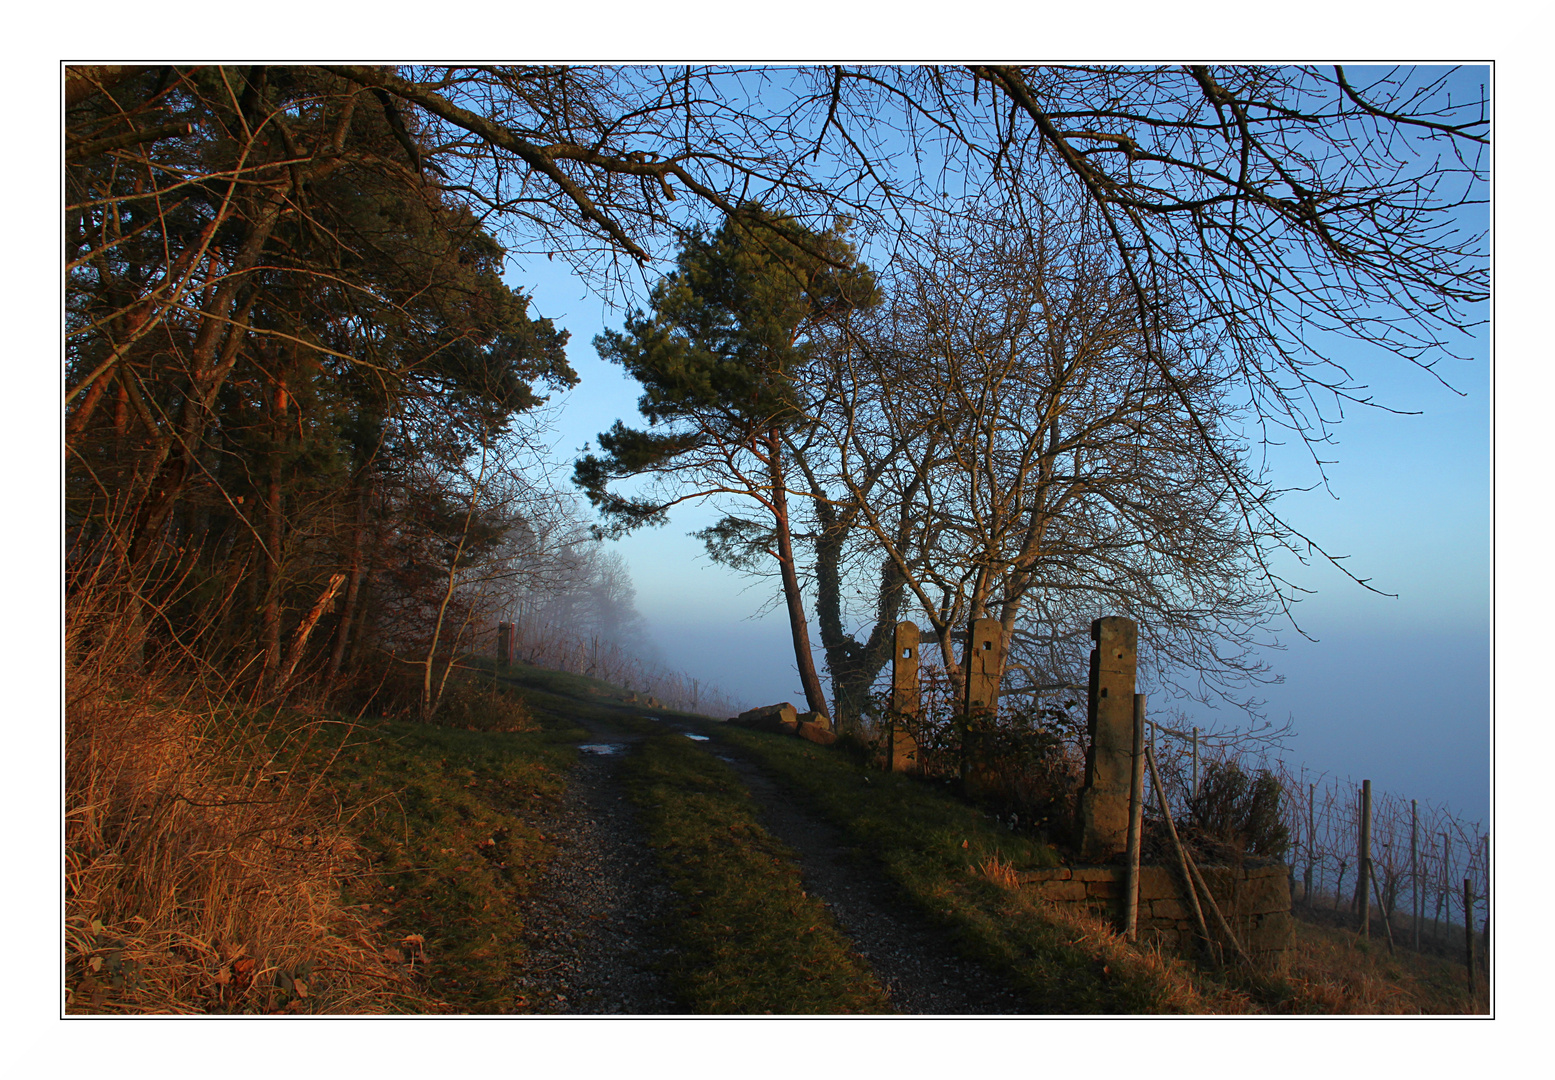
(602, 748)
(698, 738)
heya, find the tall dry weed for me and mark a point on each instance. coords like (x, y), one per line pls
(999, 872)
(199, 877)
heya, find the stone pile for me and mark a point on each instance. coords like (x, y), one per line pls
(784, 719)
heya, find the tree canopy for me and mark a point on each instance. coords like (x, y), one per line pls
(284, 288)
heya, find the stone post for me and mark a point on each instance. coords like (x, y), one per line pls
(1103, 809)
(983, 665)
(901, 749)
(505, 643)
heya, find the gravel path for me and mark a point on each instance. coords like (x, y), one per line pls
(591, 923)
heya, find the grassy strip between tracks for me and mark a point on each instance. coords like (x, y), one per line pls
(747, 938)
(949, 859)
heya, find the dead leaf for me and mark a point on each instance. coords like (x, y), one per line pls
(300, 988)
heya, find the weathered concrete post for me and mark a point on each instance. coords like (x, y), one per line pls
(901, 749)
(505, 643)
(1103, 809)
(983, 666)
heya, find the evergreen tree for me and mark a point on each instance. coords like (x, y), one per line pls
(719, 358)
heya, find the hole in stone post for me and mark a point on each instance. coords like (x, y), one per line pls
(1104, 691)
(906, 653)
(987, 644)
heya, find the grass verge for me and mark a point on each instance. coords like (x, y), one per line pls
(747, 937)
(1333, 970)
(447, 820)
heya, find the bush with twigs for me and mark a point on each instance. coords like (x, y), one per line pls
(1239, 811)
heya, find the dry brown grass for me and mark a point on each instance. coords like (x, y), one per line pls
(999, 872)
(1330, 970)
(1327, 971)
(200, 876)
(1185, 988)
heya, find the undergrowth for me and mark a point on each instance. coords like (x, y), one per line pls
(224, 859)
(201, 874)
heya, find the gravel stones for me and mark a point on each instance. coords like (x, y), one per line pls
(592, 946)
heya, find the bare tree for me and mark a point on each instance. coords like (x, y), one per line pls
(1002, 436)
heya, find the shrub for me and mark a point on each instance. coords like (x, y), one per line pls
(1028, 764)
(474, 703)
(1239, 810)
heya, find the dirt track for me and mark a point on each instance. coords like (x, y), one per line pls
(594, 946)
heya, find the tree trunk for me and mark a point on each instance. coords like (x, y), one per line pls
(270, 618)
(354, 571)
(815, 697)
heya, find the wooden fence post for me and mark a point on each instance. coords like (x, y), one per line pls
(1363, 867)
(1311, 839)
(1485, 847)
(1416, 908)
(1195, 763)
(1446, 892)
(1468, 930)
(1182, 856)
(1136, 811)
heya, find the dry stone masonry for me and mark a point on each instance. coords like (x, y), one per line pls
(1255, 899)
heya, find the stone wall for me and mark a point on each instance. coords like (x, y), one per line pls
(1255, 900)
